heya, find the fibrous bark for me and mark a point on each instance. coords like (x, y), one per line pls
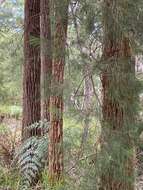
(118, 98)
(56, 101)
(46, 59)
(31, 67)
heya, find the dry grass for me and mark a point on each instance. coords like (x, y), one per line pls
(9, 141)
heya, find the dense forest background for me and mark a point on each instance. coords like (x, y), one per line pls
(71, 94)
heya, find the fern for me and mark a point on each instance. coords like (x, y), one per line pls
(32, 156)
(42, 126)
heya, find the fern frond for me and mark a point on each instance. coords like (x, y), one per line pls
(33, 155)
(42, 126)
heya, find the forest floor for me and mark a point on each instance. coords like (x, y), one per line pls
(10, 141)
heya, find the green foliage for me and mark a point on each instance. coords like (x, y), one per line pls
(15, 111)
(3, 129)
(45, 182)
(84, 39)
(10, 66)
(10, 111)
(9, 178)
(11, 53)
(32, 157)
(72, 133)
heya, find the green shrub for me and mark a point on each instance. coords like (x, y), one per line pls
(9, 178)
(11, 111)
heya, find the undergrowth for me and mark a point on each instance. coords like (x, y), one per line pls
(31, 160)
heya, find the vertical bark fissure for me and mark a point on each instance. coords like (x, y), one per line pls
(117, 97)
(46, 59)
(56, 102)
(31, 67)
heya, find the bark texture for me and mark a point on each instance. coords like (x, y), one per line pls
(46, 59)
(56, 101)
(31, 67)
(117, 145)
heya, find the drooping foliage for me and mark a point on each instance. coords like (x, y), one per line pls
(120, 99)
(86, 46)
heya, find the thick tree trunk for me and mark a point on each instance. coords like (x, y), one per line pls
(118, 101)
(56, 101)
(46, 59)
(31, 68)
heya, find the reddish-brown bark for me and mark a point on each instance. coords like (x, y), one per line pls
(119, 67)
(46, 59)
(113, 112)
(56, 101)
(114, 118)
(31, 67)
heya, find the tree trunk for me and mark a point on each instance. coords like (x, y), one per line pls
(46, 59)
(31, 68)
(119, 98)
(56, 101)
(87, 102)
